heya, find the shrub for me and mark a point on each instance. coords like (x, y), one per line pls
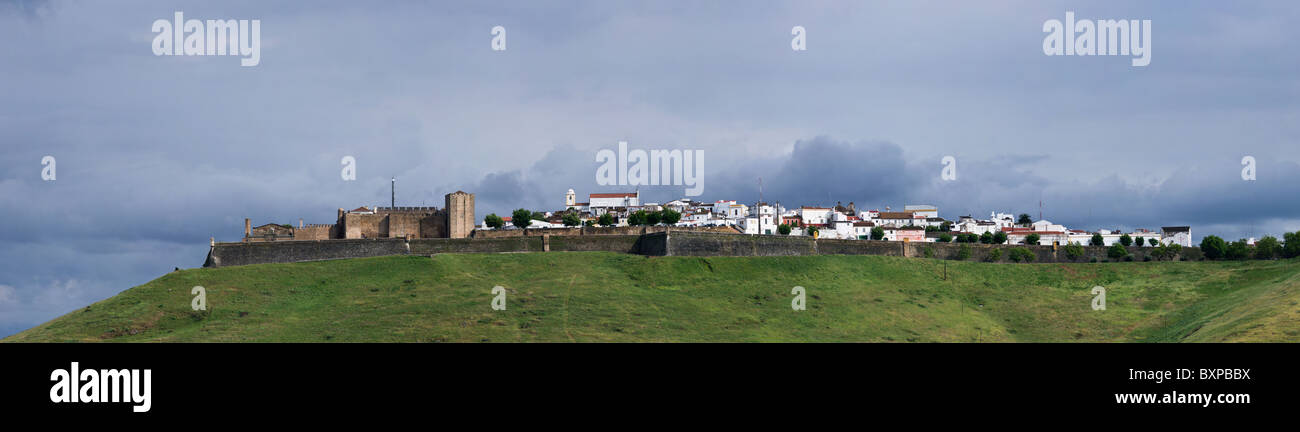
(605, 220)
(784, 229)
(999, 237)
(1097, 240)
(1214, 247)
(963, 253)
(1074, 251)
(1126, 240)
(986, 238)
(929, 252)
(995, 256)
(945, 238)
(1141, 241)
(1032, 239)
(1021, 254)
(1291, 247)
(1116, 251)
(1128, 258)
(1237, 250)
(1267, 248)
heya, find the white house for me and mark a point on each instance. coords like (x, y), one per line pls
(1180, 235)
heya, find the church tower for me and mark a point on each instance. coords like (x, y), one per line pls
(570, 199)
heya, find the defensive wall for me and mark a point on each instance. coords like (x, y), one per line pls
(650, 241)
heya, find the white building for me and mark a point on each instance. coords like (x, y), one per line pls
(620, 199)
(1180, 235)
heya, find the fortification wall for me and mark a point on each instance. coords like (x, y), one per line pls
(465, 245)
(313, 232)
(233, 254)
(596, 231)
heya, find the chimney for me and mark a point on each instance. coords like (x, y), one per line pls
(248, 228)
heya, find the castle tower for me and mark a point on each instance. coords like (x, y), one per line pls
(460, 214)
(570, 199)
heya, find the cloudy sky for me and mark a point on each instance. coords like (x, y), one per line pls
(156, 154)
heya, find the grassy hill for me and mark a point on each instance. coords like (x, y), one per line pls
(585, 297)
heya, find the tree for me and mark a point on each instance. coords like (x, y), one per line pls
(1126, 240)
(877, 233)
(999, 237)
(1267, 248)
(1021, 254)
(1024, 219)
(1214, 247)
(521, 218)
(986, 238)
(1097, 240)
(670, 216)
(1160, 252)
(1116, 251)
(1032, 239)
(538, 216)
(493, 221)
(945, 226)
(1074, 251)
(571, 219)
(637, 218)
(1140, 241)
(963, 253)
(945, 238)
(653, 218)
(1173, 251)
(1237, 250)
(810, 230)
(605, 220)
(1291, 248)
(784, 229)
(995, 256)
(589, 222)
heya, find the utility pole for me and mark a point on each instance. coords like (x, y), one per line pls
(393, 197)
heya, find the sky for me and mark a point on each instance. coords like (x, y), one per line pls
(155, 155)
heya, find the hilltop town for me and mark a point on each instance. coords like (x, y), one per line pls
(913, 223)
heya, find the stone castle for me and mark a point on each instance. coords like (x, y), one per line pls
(454, 220)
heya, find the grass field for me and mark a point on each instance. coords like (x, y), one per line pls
(593, 297)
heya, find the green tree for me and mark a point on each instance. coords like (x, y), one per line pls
(986, 238)
(589, 223)
(670, 216)
(999, 237)
(493, 221)
(995, 255)
(811, 230)
(784, 229)
(963, 253)
(1214, 247)
(1173, 251)
(1237, 250)
(652, 218)
(1097, 240)
(1116, 251)
(538, 216)
(1024, 219)
(637, 218)
(521, 218)
(571, 219)
(1291, 246)
(1032, 239)
(1021, 254)
(945, 238)
(1074, 251)
(1267, 248)
(1126, 240)
(605, 220)
(877, 233)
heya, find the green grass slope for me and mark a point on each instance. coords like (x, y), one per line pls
(591, 297)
